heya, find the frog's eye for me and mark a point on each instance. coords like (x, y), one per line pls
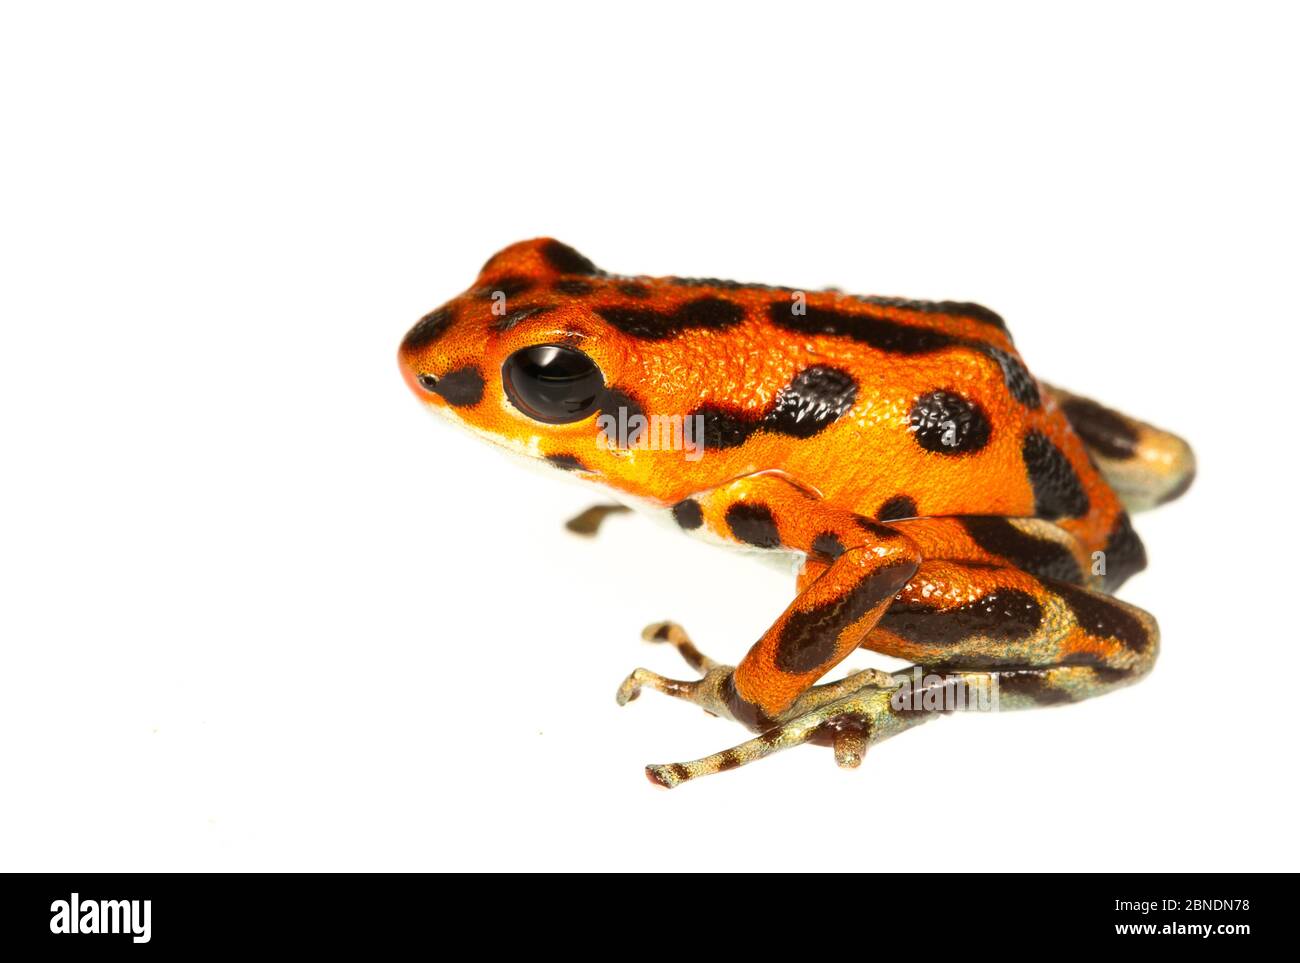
(552, 383)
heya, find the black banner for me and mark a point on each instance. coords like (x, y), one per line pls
(138, 913)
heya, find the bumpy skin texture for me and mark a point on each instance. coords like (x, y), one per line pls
(949, 508)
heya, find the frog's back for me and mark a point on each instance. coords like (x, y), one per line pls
(894, 408)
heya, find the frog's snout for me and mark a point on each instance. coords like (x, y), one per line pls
(415, 347)
(419, 382)
(461, 387)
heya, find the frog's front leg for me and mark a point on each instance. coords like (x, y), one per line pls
(865, 565)
(587, 522)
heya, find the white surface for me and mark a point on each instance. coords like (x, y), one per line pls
(261, 611)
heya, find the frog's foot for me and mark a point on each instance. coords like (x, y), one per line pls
(838, 714)
(707, 693)
(849, 724)
(587, 523)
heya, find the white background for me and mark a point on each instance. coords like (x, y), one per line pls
(261, 611)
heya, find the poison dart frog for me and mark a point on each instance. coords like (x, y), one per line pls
(940, 505)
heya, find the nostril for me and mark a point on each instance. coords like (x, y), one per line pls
(428, 382)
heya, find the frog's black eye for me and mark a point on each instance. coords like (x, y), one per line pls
(552, 383)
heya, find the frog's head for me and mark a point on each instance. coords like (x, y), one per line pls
(535, 357)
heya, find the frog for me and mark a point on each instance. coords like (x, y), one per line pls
(935, 502)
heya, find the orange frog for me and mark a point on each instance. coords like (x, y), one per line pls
(943, 506)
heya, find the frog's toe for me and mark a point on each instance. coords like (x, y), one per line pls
(667, 777)
(630, 690)
(659, 631)
(850, 741)
(676, 636)
(705, 693)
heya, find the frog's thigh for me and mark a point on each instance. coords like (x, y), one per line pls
(1046, 641)
(1033, 545)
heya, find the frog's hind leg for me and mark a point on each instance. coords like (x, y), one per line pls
(1143, 464)
(983, 638)
(971, 616)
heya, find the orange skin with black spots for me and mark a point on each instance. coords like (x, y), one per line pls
(822, 409)
(859, 462)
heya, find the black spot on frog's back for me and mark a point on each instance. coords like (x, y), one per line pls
(566, 260)
(1015, 376)
(573, 286)
(815, 398)
(509, 321)
(962, 309)
(507, 287)
(865, 328)
(706, 313)
(947, 423)
(627, 412)
(723, 427)
(1058, 492)
(429, 328)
